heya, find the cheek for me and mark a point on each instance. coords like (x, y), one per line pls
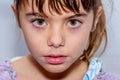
(36, 43)
(78, 46)
(77, 43)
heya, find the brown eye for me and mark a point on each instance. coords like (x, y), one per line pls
(39, 23)
(74, 23)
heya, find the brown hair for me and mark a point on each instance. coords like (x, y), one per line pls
(96, 36)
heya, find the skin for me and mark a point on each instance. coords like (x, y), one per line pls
(56, 35)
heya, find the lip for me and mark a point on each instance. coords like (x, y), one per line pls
(55, 59)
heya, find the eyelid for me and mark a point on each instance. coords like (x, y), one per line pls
(76, 19)
(36, 18)
(72, 27)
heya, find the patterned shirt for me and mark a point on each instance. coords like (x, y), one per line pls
(94, 72)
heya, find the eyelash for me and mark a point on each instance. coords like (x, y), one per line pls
(75, 21)
(35, 21)
(43, 23)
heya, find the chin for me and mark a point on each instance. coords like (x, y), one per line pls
(56, 68)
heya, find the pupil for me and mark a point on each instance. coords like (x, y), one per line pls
(40, 22)
(73, 22)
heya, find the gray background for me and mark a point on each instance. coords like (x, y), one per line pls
(12, 42)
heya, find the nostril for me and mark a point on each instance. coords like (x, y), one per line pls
(56, 39)
(56, 43)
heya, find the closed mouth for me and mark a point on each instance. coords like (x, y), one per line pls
(55, 59)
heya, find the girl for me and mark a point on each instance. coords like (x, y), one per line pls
(62, 37)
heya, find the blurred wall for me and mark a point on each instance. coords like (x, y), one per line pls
(11, 38)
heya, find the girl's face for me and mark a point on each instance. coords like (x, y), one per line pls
(55, 41)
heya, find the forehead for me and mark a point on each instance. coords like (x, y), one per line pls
(57, 6)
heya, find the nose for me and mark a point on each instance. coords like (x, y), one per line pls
(56, 39)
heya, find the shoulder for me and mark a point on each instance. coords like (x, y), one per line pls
(6, 71)
(95, 71)
(106, 76)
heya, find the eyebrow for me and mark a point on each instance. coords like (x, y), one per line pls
(40, 15)
(78, 15)
(36, 14)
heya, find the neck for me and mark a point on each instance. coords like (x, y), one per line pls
(75, 72)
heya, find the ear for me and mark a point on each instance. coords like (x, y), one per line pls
(98, 14)
(13, 8)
